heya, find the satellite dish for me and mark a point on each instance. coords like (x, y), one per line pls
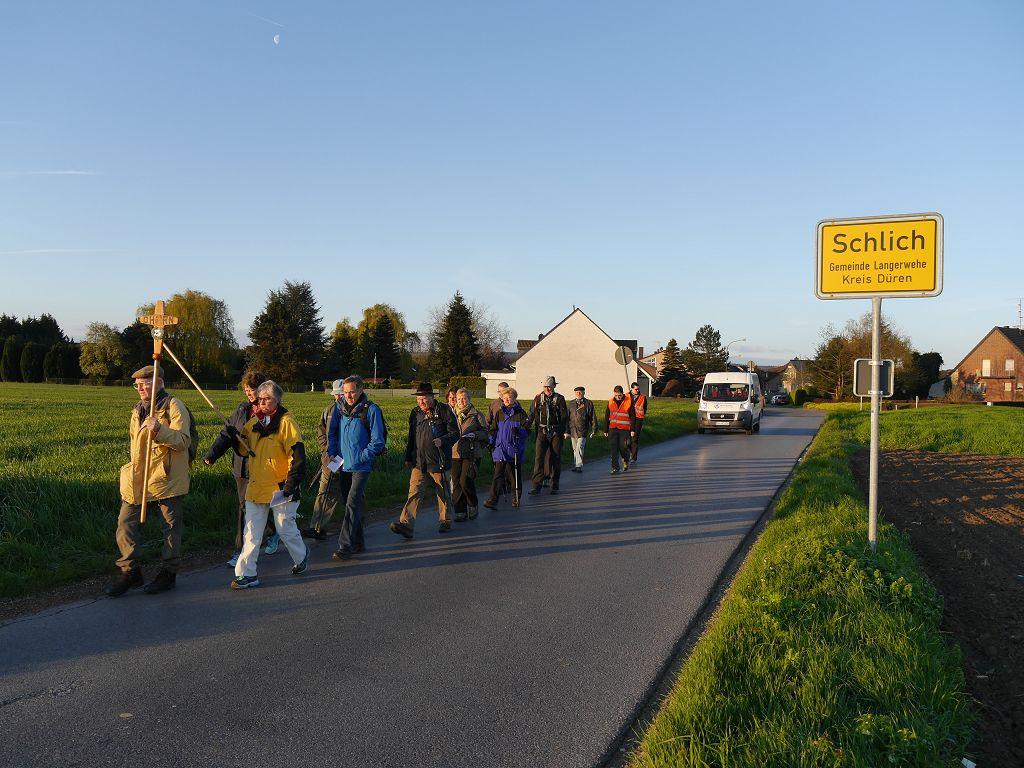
(623, 355)
(277, 39)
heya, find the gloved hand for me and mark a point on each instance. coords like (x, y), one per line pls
(232, 431)
(291, 492)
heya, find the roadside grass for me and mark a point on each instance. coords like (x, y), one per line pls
(63, 445)
(823, 654)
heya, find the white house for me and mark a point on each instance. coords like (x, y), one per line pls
(577, 352)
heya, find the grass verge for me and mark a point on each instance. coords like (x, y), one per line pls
(823, 654)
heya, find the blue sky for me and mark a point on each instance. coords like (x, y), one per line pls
(661, 165)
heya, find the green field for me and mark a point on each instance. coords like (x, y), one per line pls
(824, 654)
(63, 445)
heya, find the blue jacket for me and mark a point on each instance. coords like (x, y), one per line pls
(349, 437)
(509, 433)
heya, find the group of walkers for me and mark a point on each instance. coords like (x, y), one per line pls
(445, 445)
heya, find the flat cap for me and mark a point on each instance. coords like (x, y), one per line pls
(147, 372)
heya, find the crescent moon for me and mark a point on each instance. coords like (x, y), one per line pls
(277, 39)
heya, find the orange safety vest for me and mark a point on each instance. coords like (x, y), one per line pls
(641, 406)
(618, 414)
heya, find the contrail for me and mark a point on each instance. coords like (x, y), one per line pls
(38, 251)
(269, 21)
(48, 173)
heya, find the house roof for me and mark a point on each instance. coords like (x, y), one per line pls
(560, 322)
(801, 366)
(1014, 335)
(648, 369)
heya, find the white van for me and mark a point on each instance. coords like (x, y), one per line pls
(730, 401)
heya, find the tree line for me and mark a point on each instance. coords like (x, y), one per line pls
(288, 341)
(682, 371)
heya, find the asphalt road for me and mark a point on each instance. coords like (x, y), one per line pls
(525, 638)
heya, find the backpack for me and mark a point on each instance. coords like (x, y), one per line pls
(193, 431)
(365, 419)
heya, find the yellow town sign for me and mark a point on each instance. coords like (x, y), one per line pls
(889, 256)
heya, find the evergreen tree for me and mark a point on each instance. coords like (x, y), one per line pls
(456, 351)
(10, 361)
(32, 355)
(42, 330)
(137, 340)
(705, 354)
(341, 353)
(53, 361)
(672, 369)
(385, 347)
(9, 326)
(288, 335)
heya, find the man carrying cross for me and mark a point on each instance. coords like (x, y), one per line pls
(161, 433)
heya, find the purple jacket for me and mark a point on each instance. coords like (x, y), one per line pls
(509, 433)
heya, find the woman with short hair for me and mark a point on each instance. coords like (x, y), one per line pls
(251, 381)
(272, 441)
(508, 439)
(466, 455)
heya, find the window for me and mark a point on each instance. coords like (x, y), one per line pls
(1009, 365)
(986, 367)
(1007, 386)
(725, 393)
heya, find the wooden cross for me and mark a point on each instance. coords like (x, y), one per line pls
(159, 321)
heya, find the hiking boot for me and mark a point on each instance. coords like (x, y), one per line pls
(472, 513)
(491, 503)
(533, 491)
(341, 555)
(515, 503)
(300, 567)
(461, 517)
(625, 466)
(614, 471)
(359, 548)
(273, 542)
(401, 529)
(313, 533)
(161, 583)
(444, 527)
(123, 582)
(245, 582)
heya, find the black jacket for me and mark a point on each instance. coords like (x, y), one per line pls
(549, 414)
(424, 428)
(224, 442)
(582, 420)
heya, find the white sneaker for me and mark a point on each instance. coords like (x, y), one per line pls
(273, 542)
(234, 560)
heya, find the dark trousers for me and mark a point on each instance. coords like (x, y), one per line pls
(129, 533)
(329, 498)
(508, 478)
(464, 482)
(352, 488)
(634, 441)
(547, 458)
(618, 441)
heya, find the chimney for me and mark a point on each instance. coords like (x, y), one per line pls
(640, 353)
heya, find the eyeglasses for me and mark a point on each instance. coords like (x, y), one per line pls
(142, 385)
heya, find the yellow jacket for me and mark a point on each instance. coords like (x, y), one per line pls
(270, 455)
(168, 469)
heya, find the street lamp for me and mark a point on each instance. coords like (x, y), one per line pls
(734, 341)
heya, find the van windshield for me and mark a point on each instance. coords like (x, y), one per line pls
(726, 393)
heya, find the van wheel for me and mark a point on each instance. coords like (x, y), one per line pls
(757, 427)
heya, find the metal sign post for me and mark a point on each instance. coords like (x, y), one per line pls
(624, 356)
(873, 257)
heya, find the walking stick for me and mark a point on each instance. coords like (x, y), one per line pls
(159, 321)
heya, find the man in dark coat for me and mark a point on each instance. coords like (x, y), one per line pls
(550, 416)
(432, 433)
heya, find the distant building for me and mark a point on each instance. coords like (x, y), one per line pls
(654, 359)
(577, 352)
(992, 370)
(796, 374)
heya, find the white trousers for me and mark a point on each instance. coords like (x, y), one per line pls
(579, 444)
(255, 522)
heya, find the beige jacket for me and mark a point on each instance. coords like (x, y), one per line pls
(168, 469)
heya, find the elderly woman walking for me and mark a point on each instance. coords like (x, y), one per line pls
(277, 464)
(466, 455)
(508, 438)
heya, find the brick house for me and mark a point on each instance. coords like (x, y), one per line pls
(994, 369)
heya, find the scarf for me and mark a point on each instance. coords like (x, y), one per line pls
(142, 407)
